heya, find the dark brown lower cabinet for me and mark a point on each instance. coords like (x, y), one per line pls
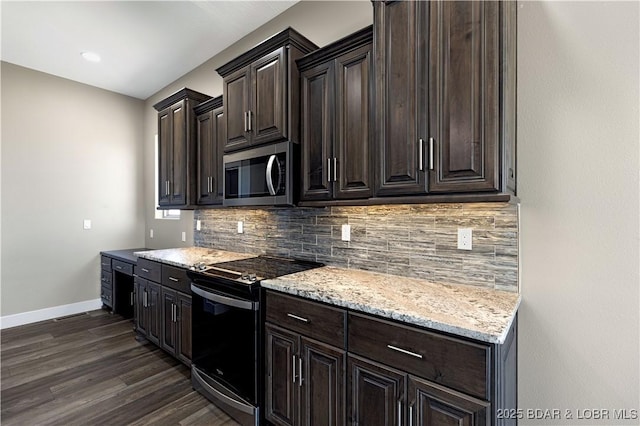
(305, 380)
(431, 404)
(148, 309)
(375, 393)
(383, 396)
(176, 324)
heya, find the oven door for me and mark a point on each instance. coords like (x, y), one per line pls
(225, 345)
(259, 176)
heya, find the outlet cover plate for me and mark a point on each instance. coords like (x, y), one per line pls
(465, 239)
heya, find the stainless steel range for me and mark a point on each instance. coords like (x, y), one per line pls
(227, 362)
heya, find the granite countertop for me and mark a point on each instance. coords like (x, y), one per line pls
(478, 313)
(186, 257)
(126, 255)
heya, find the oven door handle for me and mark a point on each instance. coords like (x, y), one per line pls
(232, 402)
(225, 300)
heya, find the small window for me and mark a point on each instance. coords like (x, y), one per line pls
(170, 214)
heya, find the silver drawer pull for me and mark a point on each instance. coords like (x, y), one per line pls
(118, 267)
(404, 351)
(145, 270)
(175, 280)
(297, 317)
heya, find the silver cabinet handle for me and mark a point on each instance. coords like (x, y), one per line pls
(132, 297)
(404, 351)
(300, 371)
(174, 310)
(420, 154)
(118, 267)
(245, 121)
(399, 413)
(297, 317)
(293, 369)
(144, 299)
(145, 270)
(410, 415)
(175, 280)
(431, 142)
(328, 169)
(335, 169)
(250, 119)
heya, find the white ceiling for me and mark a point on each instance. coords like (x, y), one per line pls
(144, 45)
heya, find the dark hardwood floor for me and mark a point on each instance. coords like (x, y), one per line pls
(89, 370)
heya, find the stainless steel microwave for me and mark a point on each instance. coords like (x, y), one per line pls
(259, 176)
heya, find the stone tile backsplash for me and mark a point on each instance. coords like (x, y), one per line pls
(410, 240)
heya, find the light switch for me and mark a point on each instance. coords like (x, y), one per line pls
(346, 232)
(184, 236)
(150, 233)
(240, 227)
(86, 224)
(198, 225)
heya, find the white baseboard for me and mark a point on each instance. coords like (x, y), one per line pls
(23, 318)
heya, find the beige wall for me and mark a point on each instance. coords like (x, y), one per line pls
(320, 21)
(69, 152)
(578, 141)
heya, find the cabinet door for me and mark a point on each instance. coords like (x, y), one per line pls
(268, 119)
(353, 124)
(322, 390)
(464, 90)
(317, 132)
(375, 394)
(236, 108)
(434, 405)
(220, 138)
(154, 307)
(165, 133)
(281, 385)
(141, 315)
(184, 328)
(207, 156)
(169, 335)
(179, 152)
(401, 96)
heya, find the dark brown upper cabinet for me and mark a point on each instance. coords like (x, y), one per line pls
(211, 136)
(336, 119)
(445, 97)
(176, 148)
(260, 89)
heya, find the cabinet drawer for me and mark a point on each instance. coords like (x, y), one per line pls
(124, 267)
(105, 263)
(455, 363)
(176, 278)
(106, 294)
(311, 319)
(148, 270)
(106, 279)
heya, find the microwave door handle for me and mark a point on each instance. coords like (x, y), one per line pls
(272, 159)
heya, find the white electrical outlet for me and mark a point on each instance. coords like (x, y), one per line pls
(86, 224)
(150, 233)
(198, 225)
(346, 232)
(184, 236)
(240, 227)
(465, 238)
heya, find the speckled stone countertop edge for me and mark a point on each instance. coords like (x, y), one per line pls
(397, 315)
(186, 257)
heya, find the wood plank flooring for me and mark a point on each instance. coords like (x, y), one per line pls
(88, 369)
